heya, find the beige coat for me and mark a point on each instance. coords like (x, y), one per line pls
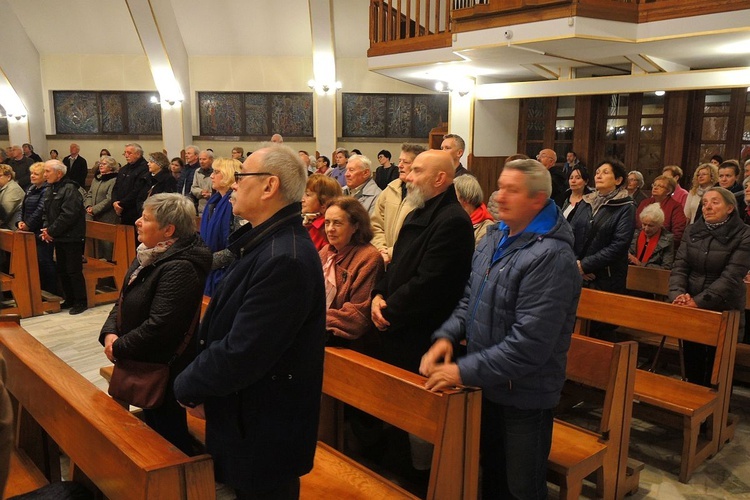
(388, 216)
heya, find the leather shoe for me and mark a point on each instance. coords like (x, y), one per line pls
(65, 305)
(77, 309)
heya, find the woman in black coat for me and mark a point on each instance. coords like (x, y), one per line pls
(603, 227)
(160, 303)
(32, 216)
(711, 263)
(162, 180)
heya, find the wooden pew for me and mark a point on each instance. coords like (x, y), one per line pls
(649, 280)
(450, 420)
(576, 453)
(123, 253)
(111, 451)
(17, 280)
(675, 402)
(656, 281)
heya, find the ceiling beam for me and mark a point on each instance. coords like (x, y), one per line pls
(687, 80)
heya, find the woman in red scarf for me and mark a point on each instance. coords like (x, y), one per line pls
(652, 245)
(470, 195)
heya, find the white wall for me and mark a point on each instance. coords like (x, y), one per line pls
(496, 127)
(215, 73)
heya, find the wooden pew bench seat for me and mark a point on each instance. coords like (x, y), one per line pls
(23, 475)
(667, 400)
(335, 475)
(123, 252)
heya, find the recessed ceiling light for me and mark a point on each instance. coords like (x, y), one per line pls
(659, 93)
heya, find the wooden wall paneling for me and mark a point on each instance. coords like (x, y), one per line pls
(735, 124)
(632, 136)
(600, 130)
(676, 130)
(694, 129)
(486, 169)
(583, 132)
(550, 122)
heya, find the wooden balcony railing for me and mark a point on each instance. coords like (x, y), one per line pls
(408, 25)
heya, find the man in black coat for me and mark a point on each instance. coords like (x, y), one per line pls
(20, 165)
(259, 371)
(78, 168)
(430, 266)
(548, 158)
(132, 185)
(65, 226)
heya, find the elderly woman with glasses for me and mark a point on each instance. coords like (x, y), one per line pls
(674, 214)
(162, 180)
(634, 185)
(218, 222)
(159, 305)
(709, 269)
(652, 245)
(351, 267)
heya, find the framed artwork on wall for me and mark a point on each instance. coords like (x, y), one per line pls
(403, 116)
(255, 114)
(106, 113)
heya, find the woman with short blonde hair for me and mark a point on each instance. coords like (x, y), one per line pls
(218, 222)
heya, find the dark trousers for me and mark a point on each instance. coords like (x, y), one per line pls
(285, 491)
(699, 362)
(70, 269)
(514, 447)
(47, 271)
(170, 421)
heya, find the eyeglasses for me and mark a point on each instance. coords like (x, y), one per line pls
(240, 175)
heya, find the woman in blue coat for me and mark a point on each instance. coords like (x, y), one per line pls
(218, 222)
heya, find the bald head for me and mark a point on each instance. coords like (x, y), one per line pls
(431, 174)
(547, 157)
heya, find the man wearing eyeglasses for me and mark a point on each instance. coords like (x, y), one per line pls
(548, 158)
(258, 374)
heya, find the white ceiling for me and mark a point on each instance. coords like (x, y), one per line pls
(215, 27)
(282, 28)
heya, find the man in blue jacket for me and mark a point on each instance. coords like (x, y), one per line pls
(517, 315)
(257, 378)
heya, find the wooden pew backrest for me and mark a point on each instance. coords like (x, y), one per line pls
(398, 397)
(122, 456)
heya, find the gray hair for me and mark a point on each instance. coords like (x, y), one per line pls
(653, 212)
(57, 165)
(468, 190)
(110, 162)
(459, 140)
(283, 162)
(538, 179)
(195, 149)
(638, 177)
(135, 145)
(366, 163)
(341, 150)
(175, 209)
(208, 152)
(415, 149)
(728, 196)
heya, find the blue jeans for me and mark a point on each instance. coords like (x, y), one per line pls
(514, 449)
